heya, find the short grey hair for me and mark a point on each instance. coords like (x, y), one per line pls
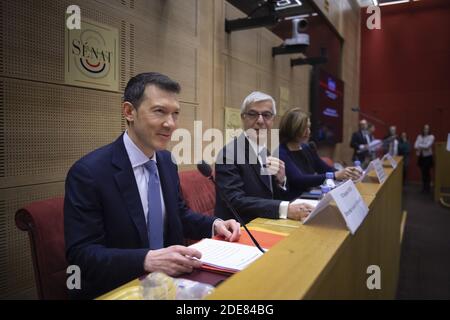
(257, 96)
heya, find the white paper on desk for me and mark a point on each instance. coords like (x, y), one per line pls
(226, 255)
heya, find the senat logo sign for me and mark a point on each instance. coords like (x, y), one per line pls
(91, 55)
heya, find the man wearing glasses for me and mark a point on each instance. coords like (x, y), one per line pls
(247, 175)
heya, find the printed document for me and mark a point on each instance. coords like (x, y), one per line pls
(229, 256)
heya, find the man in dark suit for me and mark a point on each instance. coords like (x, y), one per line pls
(124, 215)
(360, 142)
(251, 179)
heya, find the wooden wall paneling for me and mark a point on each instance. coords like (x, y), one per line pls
(33, 37)
(47, 127)
(219, 73)
(205, 60)
(241, 45)
(155, 54)
(350, 75)
(240, 80)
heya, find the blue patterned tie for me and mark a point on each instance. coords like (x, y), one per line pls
(154, 216)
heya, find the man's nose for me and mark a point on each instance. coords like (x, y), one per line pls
(260, 119)
(170, 122)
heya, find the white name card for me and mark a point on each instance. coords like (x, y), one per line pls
(379, 170)
(378, 167)
(391, 160)
(349, 202)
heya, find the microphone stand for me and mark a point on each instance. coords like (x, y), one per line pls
(236, 215)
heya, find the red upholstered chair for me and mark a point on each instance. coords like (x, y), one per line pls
(198, 192)
(44, 222)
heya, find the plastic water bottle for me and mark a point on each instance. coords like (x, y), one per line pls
(325, 189)
(329, 181)
(358, 166)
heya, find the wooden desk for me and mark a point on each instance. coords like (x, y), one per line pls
(441, 173)
(322, 260)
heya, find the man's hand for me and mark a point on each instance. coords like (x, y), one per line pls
(275, 167)
(229, 229)
(348, 173)
(299, 211)
(173, 260)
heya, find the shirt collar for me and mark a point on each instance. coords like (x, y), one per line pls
(136, 156)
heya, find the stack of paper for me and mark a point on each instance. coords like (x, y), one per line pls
(226, 256)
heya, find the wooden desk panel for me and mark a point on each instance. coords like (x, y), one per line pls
(322, 260)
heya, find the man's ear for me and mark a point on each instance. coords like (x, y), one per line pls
(127, 111)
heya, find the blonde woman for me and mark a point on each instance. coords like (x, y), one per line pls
(303, 167)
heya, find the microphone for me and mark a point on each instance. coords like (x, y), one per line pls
(206, 171)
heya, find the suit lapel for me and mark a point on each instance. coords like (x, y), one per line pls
(126, 183)
(168, 192)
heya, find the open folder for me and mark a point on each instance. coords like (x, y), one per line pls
(229, 257)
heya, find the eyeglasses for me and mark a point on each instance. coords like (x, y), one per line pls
(253, 115)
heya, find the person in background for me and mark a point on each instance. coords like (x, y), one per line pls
(252, 179)
(424, 151)
(372, 151)
(390, 142)
(403, 150)
(304, 168)
(360, 142)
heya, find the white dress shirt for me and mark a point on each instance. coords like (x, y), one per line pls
(138, 159)
(284, 205)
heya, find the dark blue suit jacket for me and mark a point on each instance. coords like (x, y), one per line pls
(238, 177)
(358, 139)
(299, 180)
(104, 222)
